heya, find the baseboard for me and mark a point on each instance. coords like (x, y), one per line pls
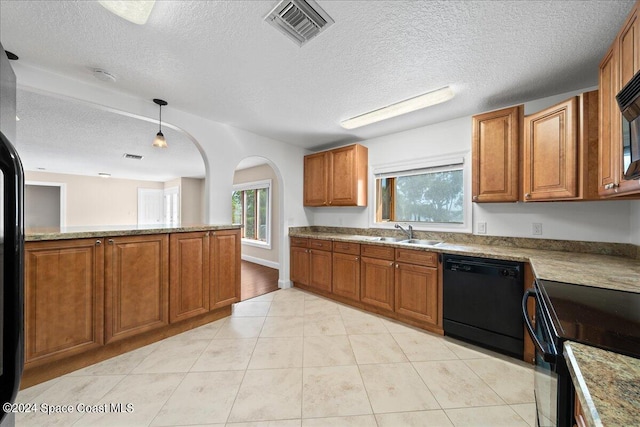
(285, 284)
(260, 261)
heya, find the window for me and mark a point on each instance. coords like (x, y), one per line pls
(251, 206)
(431, 194)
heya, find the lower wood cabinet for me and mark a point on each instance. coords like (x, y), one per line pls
(346, 275)
(377, 280)
(136, 285)
(225, 268)
(417, 292)
(299, 265)
(64, 290)
(188, 275)
(320, 269)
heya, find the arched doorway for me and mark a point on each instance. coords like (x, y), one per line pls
(257, 204)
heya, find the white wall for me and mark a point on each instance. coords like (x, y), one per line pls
(264, 256)
(604, 221)
(222, 147)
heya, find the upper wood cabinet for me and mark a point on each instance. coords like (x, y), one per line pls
(619, 65)
(64, 291)
(224, 252)
(136, 285)
(495, 155)
(336, 177)
(188, 275)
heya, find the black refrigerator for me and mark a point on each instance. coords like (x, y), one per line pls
(11, 245)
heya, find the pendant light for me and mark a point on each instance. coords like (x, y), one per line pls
(159, 140)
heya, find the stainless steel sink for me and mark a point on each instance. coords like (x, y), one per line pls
(384, 239)
(421, 242)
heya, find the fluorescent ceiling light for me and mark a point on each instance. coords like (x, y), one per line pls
(136, 11)
(403, 107)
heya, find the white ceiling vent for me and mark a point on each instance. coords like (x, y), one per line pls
(301, 20)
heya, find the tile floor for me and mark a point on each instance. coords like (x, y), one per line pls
(290, 358)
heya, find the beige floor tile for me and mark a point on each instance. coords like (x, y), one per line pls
(147, 393)
(291, 295)
(171, 356)
(327, 350)
(270, 394)
(355, 421)
(204, 332)
(29, 395)
(511, 380)
(455, 385)
(527, 412)
(466, 350)
(396, 327)
(396, 387)
(376, 348)
(320, 307)
(274, 353)
(225, 355)
(251, 308)
(363, 324)
(333, 391)
(241, 327)
(287, 308)
(203, 397)
(68, 390)
(490, 416)
(272, 423)
(119, 365)
(283, 326)
(414, 419)
(327, 325)
(422, 346)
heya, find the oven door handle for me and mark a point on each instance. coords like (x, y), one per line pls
(547, 355)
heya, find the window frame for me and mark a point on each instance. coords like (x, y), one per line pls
(257, 185)
(461, 159)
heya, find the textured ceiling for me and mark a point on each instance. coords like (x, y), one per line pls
(219, 60)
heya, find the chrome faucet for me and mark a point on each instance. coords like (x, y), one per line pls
(409, 230)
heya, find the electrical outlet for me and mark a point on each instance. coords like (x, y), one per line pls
(482, 228)
(537, 229)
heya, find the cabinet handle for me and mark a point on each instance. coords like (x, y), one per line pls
(397, 266)
(475, 197)
(111, 241)
(391, 264)
(527, 196)
(98, 242)
(611, 186)
(357, 258)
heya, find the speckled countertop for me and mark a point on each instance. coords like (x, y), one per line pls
(606, 271)
(607, 385)
(62, 233)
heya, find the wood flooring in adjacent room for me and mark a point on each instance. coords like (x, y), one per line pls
(257, 280)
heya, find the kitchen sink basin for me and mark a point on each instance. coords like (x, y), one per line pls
(383, 239)
(420, 242)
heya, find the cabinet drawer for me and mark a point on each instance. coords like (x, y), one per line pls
(380, 252)
(321, 245)
(346, 248)
(428, 259)
(299, 242)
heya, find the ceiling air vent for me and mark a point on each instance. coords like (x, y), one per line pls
(132, 156)
(301, 20)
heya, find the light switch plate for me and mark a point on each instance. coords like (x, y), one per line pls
(537, 229)
(482, 228)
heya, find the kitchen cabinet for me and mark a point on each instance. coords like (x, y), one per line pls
(346, 270)
(188, 275)
(617, 67)
(320, 261)
(225, 261)
(377, 276)
(578, 413)
(560, 144)
(417, 285)
(136, 285)
(336, 177)
(495, 155)
(299, 259)
(64, 291)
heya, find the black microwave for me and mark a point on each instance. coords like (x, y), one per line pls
(629, 102)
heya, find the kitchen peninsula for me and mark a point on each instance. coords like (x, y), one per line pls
(95, 292)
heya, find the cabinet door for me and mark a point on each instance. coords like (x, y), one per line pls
(609, 154)
(417, 292)
(346, 275)
(348, 176)
(320, 270)
(495, 154)
(316, 179)
(299, 265)
(63, 298)
(188, 275)
(550, 161)
(136, 285)
(225, 268)
(629, 55)
(376, 282)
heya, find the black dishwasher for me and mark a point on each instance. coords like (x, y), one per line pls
(482, 302)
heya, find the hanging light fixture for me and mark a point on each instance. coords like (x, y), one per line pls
(159, 140)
